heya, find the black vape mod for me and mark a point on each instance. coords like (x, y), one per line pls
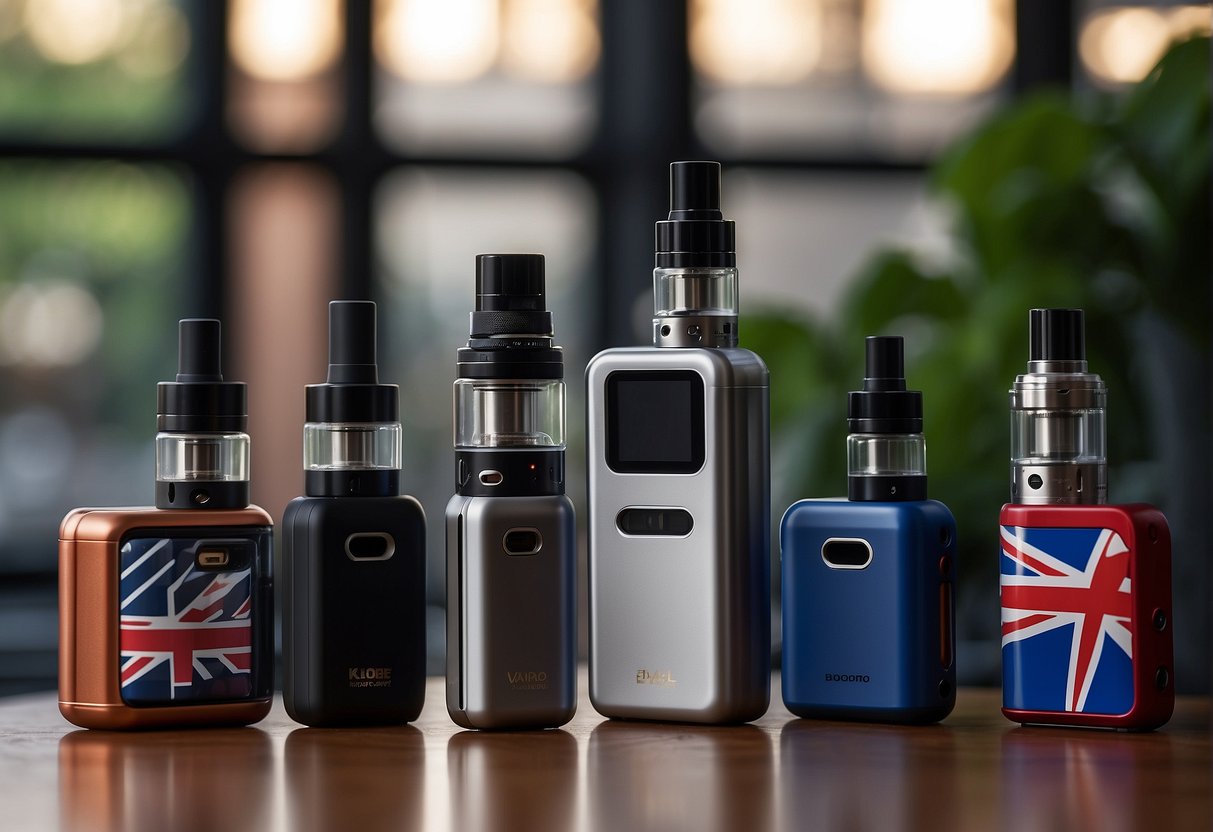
(353, 570)
(166, 614)
(680, 489)
(868, 581)
(510, 529)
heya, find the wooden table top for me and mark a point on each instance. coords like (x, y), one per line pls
(976, 771)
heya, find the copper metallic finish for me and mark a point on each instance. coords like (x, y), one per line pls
(89, 694)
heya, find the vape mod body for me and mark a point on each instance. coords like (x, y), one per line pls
(353, 566)
(510, 529)
(868, 582)
(166, 613)
(679, 490)
(1086, 586)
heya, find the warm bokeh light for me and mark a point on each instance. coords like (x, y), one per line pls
(285, 40)
(76, 31)
(550, 41)
(437, 41)
(755, 42)
(1121, 45)
(945, 47)
(53, 323)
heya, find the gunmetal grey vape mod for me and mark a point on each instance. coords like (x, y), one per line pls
(510, 529)
(353, 565)
(679, 489)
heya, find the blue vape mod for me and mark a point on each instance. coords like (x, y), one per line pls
(868, 582)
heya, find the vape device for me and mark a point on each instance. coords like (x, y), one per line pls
(353, 563)
(868, 581)
(166, 614)
(510, 529)
(1086, 586)
(679, 489)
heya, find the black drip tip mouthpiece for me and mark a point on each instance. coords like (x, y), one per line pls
(885, 405)
(352, 342)
(198, 350)
(510, 298)
(695, 191)
(1057, 335)
(199, 400)
(696, 233)
(353, 392)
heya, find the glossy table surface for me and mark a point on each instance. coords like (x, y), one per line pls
(975, 771)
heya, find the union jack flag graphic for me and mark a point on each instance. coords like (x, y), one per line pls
(1067, 620)
(184, 633)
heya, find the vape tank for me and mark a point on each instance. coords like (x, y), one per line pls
(1086, 586)
(868, 582)
(353, 565)
(510, 529)
(166, 613)
(679, 489)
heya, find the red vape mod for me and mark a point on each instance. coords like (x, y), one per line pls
(1085, 586)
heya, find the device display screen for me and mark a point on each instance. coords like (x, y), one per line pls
(655, 421)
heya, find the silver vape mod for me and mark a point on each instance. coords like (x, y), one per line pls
(679, 489)
(510, 529)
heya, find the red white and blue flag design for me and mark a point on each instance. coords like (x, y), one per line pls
(185, 633)
(1067, 620)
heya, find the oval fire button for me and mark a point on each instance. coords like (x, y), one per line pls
(846, 552)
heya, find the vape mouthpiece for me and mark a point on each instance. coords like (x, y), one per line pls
(509, 282)
(1057, 335)
(353, 392)
(199, 400)
(352, 342)
(696, 233)
(198, 350)
(510, 298)
(885, 362)
(885, 405)
(695, 191)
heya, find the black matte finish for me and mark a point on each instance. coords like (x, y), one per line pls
(199, 400)
(887, 489)
(1057, 335)
(696, 235)
(884, 405)
(352, 483)
(208, 494)
(352, 392)
(525, 472)
(510, 335)
(345, 621)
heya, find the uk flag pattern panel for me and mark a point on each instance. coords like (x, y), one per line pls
(1067, 620)
(192, 617)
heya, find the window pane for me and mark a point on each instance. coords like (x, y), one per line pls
(892, 78)
(462, 76)
(93, 70)
(91, 277)
(430, 227)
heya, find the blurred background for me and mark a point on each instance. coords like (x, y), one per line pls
(930, 168)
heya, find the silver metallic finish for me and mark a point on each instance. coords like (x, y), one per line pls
(680, 627)
(1058, 452)
(511, 619)
(695, 331)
